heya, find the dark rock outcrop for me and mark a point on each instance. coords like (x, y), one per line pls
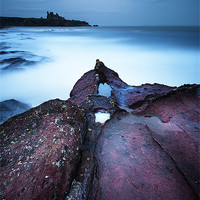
(16, 63)
(18, 60)
(10, 52)
(10, 108)
(149, 149)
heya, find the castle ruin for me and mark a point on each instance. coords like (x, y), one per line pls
(51, 16)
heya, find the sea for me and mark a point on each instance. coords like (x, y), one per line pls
(42, 63)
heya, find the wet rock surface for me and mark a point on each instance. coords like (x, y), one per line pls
(181, 109)
(16, 63)
(131, 165)
(148, 149)
(17, 60)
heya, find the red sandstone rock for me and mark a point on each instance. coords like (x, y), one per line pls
(149, 153)
(175, 138)
(85, 86)
(131, 165)
(181, 108)
(40, 151)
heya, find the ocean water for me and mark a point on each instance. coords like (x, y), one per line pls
(42, 63)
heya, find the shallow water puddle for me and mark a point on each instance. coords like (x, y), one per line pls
(104, 90)
(154, 123)
(101, 117)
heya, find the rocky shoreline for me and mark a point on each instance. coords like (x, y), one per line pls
(148, 149)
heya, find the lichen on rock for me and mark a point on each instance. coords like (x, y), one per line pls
(40, 151)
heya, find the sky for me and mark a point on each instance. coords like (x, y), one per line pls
(110, 12)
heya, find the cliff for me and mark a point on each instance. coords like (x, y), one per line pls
(51, 20)
(148, 149)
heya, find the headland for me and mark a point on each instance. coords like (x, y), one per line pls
(51, 20)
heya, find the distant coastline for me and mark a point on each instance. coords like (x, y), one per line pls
(51, 20)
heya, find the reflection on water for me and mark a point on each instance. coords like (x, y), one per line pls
(104, 90)
(154, 123)
(101, 117)
(54, 59)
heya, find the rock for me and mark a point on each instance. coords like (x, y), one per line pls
(40, 151)
(4, 45)
(84, 87)
(148, 149)
(11, 52)
(131, 165)
(16, 63)
(10, 108)
(127, 167)
(181, 108)
(19, 60)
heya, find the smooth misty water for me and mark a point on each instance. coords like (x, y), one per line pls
(61, 56)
